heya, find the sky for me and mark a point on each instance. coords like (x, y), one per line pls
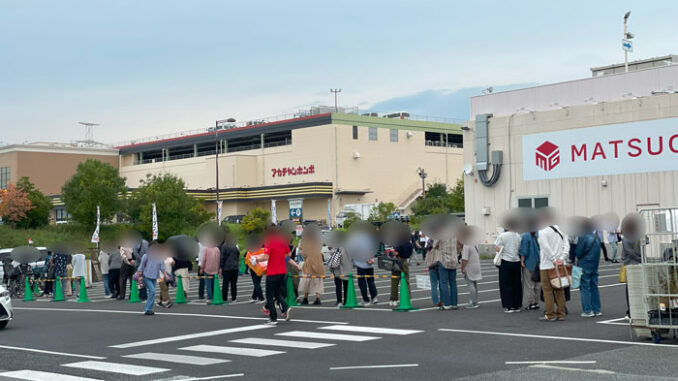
(143, 68)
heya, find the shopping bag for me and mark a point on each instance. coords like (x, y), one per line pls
(622, 274)
(576, 276)
(560, 276)
(497, 257)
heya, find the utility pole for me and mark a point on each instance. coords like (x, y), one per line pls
(335, 91)
(216, 160)
(422, 173)
(627, 44)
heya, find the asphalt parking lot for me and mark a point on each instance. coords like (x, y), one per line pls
(112, 340)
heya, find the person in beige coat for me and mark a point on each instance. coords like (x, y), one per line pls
(313, 270)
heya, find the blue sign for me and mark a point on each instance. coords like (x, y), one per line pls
(295, 212)
(627, 45)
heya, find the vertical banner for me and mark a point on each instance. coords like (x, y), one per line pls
(329, 213)
(95, 235)
(155, 223)
(219, 208)
(296, 210)
(274, 213)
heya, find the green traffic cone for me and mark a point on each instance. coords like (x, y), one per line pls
(289, 298)
(58, 291)
(28, 292)
(180, 298)
(351, 301)
(134, 292)
(405, 303)
(82, 298)
(36, 288)
(217, 298)
(243, 268)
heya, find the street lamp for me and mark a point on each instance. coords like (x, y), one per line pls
(422, 174)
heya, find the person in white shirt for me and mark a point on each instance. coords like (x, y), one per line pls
(554, 248)
(79, 270)
(103, 264)
(510, 271)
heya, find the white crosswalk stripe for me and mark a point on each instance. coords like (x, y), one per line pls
(110, 367)
(180, 359)
(327, 336)
(239, 351)
(377, 330)
(36, 375)
(281, 343)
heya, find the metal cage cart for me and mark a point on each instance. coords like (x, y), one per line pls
(653, 285)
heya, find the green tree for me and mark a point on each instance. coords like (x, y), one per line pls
(39, 214)
(255, 220)
(176, 210)
(351, 217)
(94, 183)
(439, 201)
(382, 211)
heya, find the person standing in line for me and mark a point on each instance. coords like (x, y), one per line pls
(138, 251)
(445, 250)
(126, 270)
(366, 281)
(470, 267)
(403, 253)
(182, 267)
(79, 270)
(313, 270)
(293, 269)
(529, 261)
(510, 286)
(553, 250)
(613, 241)
(49, 284)
(229, 264)
(201, 273)
(114, 263)
(588, 258)
(341, 276)
(630, 256)
(103, 265)
(601, 236)
(164, 282)
(61, 269)
(151, 267)
(432, 263)
(277, 250)
(210, 268)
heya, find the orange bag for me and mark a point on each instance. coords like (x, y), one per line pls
(259, 268)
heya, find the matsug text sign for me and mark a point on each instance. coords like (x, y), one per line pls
(648, 146)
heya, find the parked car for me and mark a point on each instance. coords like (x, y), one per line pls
(6, 312)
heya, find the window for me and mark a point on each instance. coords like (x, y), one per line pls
(355, 132)
(60, 214)
(4, 177)
(455, 140)
(533, 202)
(393, 133)
(372, 133)
(275, 139)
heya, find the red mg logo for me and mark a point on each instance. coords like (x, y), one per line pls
(547, 156)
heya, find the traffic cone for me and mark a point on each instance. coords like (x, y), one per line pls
(134, 292)
(290, 299)
(243, 268)
(82, 297)
(58, 292)
(28, 292)
(405, 303)
(351, 301)
(217, 298)
(180, 298)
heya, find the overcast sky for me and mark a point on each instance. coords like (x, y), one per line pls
(143, 68)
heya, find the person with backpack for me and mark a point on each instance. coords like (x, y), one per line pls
(587, 254)
(553, 250)
(529, 262)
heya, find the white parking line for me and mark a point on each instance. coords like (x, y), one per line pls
(531, 336)
(327, 336)
(383, 331)
(597, 371)
(212, 377)
(281, 343)
(549, 362)
(36, 375)
(190, 336)
(129, 369)
(374, 366)
(51, 352)
(180, 359)
(232, 350)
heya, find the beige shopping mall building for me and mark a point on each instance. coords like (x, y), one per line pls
(319, 163)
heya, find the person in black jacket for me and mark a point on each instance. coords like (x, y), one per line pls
(228, 267)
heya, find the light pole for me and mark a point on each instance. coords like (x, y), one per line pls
(216, 160)
(626, 42)
(335, 91)
(422, 173)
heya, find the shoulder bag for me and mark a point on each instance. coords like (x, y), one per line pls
(497, 257)
(560, 276)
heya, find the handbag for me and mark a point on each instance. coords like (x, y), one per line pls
(559, 276)
(335, 260)
(389, 264)
(497, 257)
(536, 274)
(576, 276)
(622, 274)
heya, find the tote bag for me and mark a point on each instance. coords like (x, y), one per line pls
(576, 276)
(497, 257)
